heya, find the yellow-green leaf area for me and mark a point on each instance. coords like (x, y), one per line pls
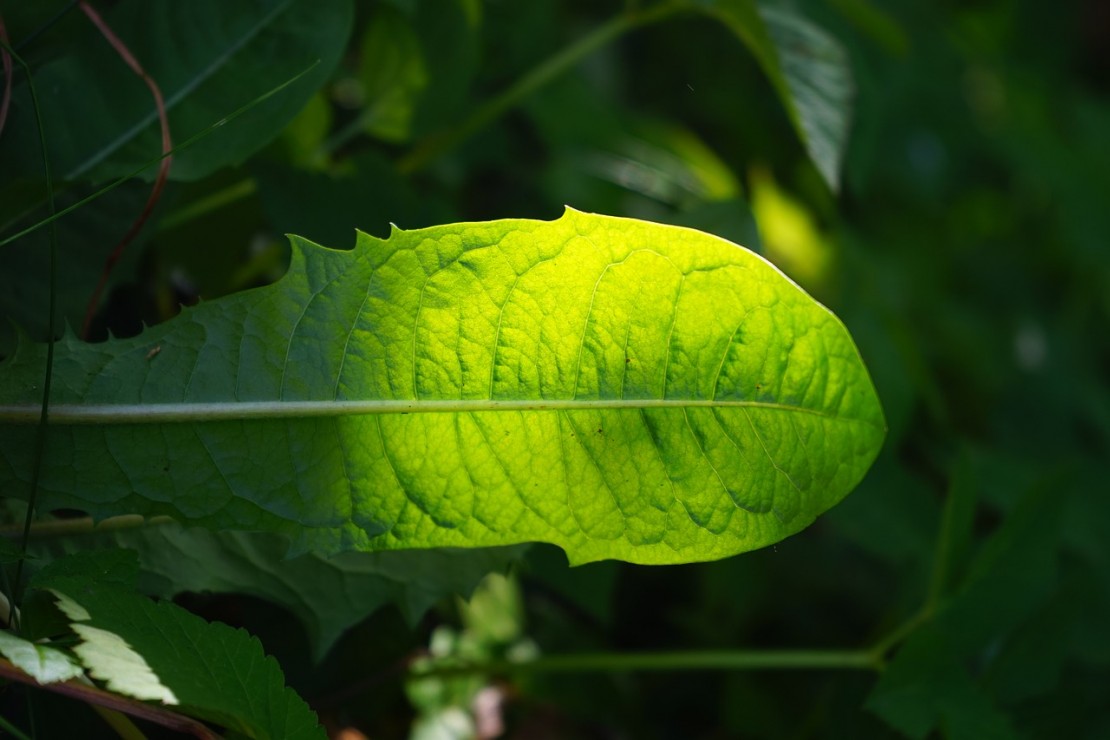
(619, 388)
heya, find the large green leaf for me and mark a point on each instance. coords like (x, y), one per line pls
(208, 57)
(619, 388)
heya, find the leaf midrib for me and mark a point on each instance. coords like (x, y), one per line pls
(160, 413)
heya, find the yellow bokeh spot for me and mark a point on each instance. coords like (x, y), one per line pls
(791, 239)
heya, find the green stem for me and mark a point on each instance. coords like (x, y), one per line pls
(217, 200)
(439, 143)
(12, 730)
(694, 660)
(886, 643)
(43, 417)
(94, 696)
(86, 525)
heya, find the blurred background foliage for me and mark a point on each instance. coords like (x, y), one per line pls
(962, 239)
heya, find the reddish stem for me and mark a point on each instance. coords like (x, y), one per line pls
(163, 169)
(6, 60)
(99, 697)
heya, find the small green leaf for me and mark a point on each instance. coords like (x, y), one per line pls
(109, 658)
(42, 662)
(619, 388)
(160, 652)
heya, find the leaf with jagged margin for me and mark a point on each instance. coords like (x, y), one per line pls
(159, 651)
(619, 388)
(807, 67)
(108, 658)
(43, 663)
(328, 595)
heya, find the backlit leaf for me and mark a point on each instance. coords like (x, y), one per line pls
(619, 388)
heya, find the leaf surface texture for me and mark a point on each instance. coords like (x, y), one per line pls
(619, 388)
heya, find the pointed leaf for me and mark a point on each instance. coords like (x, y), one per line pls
(618, 388)
(159, 651)
(808, 69)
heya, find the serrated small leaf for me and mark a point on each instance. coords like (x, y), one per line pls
(619, 388)
(43, 663)
(159, 651)
(109, 658)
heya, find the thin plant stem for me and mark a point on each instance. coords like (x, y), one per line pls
(163, 170)
(119, 722)
(86, 525)
(40, 430)
(435, 145)
(694, 660)
(6, 61)
(12, 730)
(90, 694)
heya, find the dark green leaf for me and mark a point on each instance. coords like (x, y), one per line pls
(208, 58)
(160, 651)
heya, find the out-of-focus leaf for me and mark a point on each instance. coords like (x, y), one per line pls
(86, 238)
(928, 684)
(302, 141)
(791, 238)
(392, 73)
(875, 23)
(808, 69)
(208, 57)
(326, 207)
(926, 688)
(107, 567)
(449, 37)
(328, 595)
(619, 388)
(10, 552)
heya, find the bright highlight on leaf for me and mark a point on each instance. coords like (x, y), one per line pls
(619, 388)
(42, 662)
(157, 651)
(110, 658)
